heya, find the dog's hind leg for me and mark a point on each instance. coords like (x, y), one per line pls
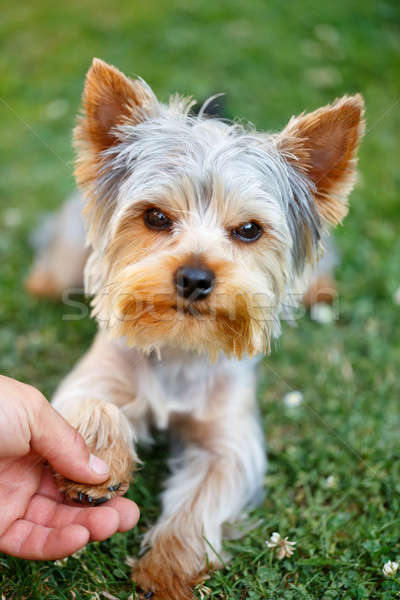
(320, 281)
(61, 252)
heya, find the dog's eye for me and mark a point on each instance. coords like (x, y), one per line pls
(154, 218)
(248, 232)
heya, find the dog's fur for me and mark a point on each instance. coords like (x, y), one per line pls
(189, 366)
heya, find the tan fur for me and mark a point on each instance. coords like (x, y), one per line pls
(140, 302)
(169, 570)
(99, 424)
(61, 253)
(321, 289)
(43, 284)
(51, 275)
(83, 400)
(324, 144)
(109, 99)
(118, 457)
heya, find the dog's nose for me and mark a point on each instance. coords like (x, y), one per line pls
(194, 283)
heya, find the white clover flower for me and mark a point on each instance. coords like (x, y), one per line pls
(56, 109)
(328, 34)
(293, 399)
(284, 547)
(390, 568)
(330, 482)
(323, 77)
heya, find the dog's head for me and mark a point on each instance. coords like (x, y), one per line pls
(199, 227)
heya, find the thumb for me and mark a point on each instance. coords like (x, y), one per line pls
(53, 438)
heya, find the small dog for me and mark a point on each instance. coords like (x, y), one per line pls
(200, 233)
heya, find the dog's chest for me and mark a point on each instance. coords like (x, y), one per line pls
(178, 383)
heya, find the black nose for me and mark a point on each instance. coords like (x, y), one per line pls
(194, 283)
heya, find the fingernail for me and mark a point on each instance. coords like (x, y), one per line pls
(98, 466)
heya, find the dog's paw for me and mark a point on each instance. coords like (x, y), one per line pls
(105, 435)
(119, 458)
(158, 579)
(91, 495)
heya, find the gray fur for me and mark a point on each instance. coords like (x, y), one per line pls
(158, 155)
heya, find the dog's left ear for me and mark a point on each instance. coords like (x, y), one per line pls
(323, 144)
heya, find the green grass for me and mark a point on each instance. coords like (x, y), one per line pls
(273, 59)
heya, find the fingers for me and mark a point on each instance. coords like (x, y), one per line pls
(128, 511)
(48, 486)
(120, 514)
(101, 522)
(28, 421)
(35, 542)
(19, 480)
(54, 439)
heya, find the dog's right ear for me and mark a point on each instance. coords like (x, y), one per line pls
(110, 99)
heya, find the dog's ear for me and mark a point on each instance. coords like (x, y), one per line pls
(323, 144)
(111, 99)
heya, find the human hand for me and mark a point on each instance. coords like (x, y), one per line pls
(35, 522)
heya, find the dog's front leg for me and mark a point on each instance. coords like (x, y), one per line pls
(90, 398)
(217, 474)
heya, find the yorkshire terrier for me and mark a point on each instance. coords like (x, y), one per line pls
(200, 233)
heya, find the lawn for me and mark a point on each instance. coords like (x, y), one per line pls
(333, 484)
